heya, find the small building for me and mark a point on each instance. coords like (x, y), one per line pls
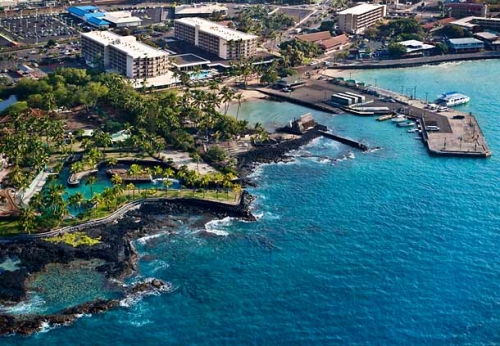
(301, 125)
(335, 43)
(121, 19)
(347, 98)
(465, 45)
(93, 16)
(460, 9)
(315, 37)
(290, 82)
(200, 10)
(325, 40)
(477, 24)
(491, 41)
(437, 24)
(414, 47)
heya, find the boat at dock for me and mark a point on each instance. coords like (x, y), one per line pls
(406, 124)
(451, 99)
(412, 130)
(399, 118)
(384, 117)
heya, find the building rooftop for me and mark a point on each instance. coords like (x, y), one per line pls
(105, 37)
(98, 21)
(199, 8)
(360, 9)
(216, 29)
(137, 49)
(485, 35)
(465, 40)
(184, 60)
(80, 11)
(120, 17)
(414, 45)
(334, 41)
(315, 37)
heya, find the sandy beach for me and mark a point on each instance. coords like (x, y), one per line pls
(335, 73)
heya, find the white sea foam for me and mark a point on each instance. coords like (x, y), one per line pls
(145, 239)
(133, 299)
(215, 226)
(258, 215)
(34, 304)
(45, 327)
(159, 264)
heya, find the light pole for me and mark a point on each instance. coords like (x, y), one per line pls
(426, 94)
(375, 82)
(402, 89)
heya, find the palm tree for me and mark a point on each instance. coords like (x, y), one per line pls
(166, 184)
(239, 98)
(108, 195)
(196, 157)
(134, 170)
(131, 186)
(228, 182)
(27, 222)
(76, 199)
(91, 180)
(218, 178)
(204, 182)
(111, 161)
(116, 179)
(226, 97)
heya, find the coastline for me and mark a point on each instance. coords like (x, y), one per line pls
(116, 250)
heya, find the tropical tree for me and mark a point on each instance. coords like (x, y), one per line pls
(76, 199)
(239, 98)
(91, 180)
(28, 219)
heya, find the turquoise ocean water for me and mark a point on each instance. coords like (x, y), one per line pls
(390, 247)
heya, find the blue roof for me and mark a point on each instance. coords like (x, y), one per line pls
(80, 11)
(98, 22)
(87, 16)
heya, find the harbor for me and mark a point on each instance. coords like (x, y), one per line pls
(445, 132)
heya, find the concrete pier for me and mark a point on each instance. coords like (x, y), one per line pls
(345, 140)
(457, 136)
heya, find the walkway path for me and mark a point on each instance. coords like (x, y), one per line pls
(373, 64)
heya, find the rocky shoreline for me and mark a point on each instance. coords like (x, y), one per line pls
(116, 249)
(247, 161)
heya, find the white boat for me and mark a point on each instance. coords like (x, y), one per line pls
(412, 130)
(406, 124)
(400, 118)
(451, 99)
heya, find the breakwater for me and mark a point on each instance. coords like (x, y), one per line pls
(345, 140)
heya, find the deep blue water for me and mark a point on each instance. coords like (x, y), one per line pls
(390, 247)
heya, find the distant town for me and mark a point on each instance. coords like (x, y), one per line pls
(129, 94)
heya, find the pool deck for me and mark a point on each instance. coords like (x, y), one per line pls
(456, 137)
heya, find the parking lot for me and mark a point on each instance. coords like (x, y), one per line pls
(36, 29)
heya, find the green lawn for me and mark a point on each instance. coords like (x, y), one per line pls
(8, 228)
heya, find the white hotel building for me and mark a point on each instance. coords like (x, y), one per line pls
(356, 19)
(226, 43)
(123, 54)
